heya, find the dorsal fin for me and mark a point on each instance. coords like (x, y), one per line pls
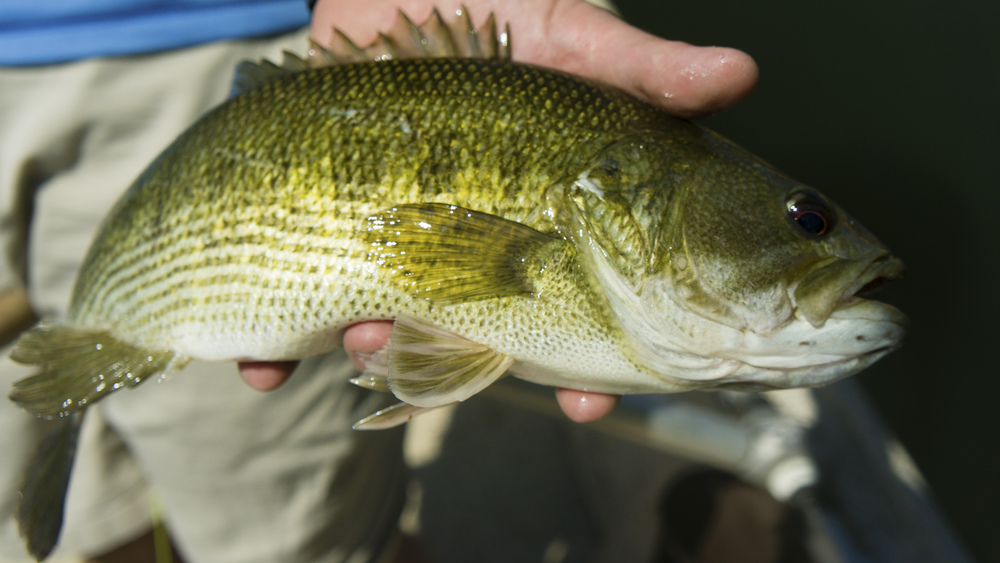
(431, 39)
(249, 75)
(406, 40)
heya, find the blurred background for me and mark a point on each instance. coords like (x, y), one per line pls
(891, 109)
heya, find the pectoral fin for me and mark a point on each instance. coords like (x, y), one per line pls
(448, 254)
(80, 366)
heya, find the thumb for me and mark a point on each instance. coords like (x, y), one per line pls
(682, 79)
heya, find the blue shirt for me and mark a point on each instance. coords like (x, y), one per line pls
(36, 32)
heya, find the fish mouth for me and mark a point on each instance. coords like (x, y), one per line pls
(854, 336)
(834, 332)
(881, 272)
(838, 284)
(814, 375)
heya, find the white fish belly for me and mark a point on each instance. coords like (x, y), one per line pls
(203, 343)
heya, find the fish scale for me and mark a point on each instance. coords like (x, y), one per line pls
(269, 205)
(273, 223)
(508, 218)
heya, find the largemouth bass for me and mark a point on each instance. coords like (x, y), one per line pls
(511, 219)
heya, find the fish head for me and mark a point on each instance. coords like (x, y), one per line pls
(765, 275)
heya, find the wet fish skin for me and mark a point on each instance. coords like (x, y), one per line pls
(236, 193)
(260, 234)
(511, 219)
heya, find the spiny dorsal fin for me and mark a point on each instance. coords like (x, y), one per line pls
(249, 75)
(80, 366)
(431, 39)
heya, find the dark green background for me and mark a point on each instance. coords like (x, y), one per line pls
(891, 108)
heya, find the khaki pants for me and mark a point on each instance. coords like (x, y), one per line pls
(243, 476)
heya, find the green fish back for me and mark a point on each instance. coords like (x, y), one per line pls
(234, 213)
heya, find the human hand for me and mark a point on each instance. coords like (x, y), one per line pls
(368, 337)
(575, 37)
(568, 35)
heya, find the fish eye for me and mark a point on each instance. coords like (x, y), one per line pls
(810, 213)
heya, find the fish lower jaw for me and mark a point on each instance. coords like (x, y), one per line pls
(802, 355)
(765, 378)
(790, 352)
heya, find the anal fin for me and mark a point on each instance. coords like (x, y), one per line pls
(80, 366)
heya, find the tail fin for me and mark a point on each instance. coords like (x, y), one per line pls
(80, 366)
(43, 488)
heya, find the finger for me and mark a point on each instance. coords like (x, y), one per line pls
(365, 338)
(266, 376)
(576, 37)
(682, 79)
(583, 406)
